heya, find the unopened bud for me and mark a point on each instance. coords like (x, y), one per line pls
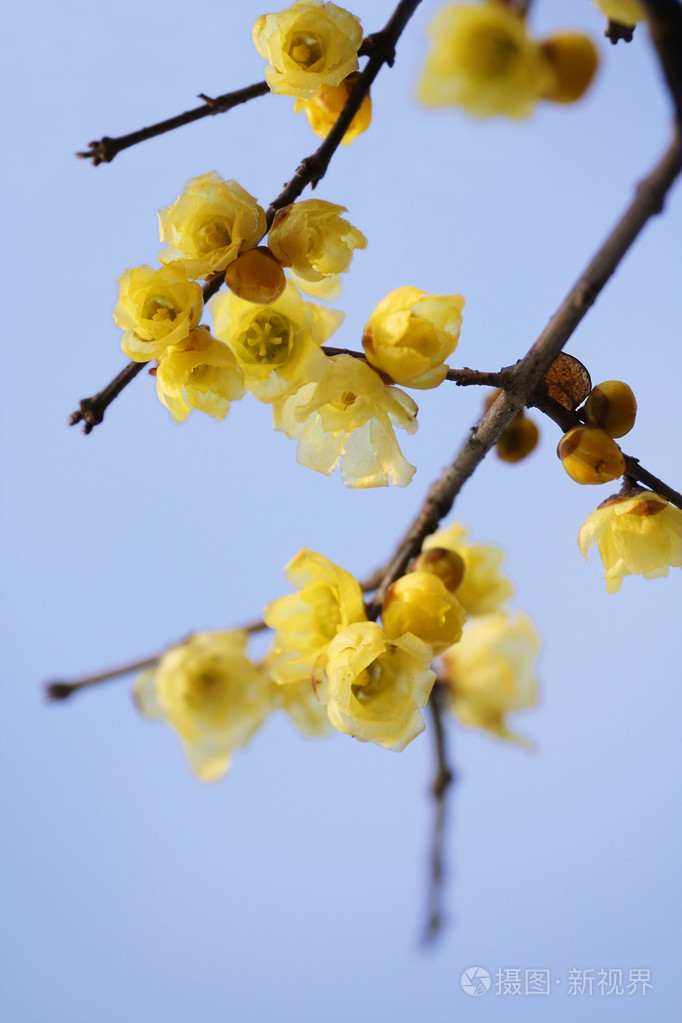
(574, 59)
(590, 456)
(256, 276)
(446, 564)
(518, 440)
(420, 603)
(613, 406)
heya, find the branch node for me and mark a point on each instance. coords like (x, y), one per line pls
(103, 151)
(615, 32)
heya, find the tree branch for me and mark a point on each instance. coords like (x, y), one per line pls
(91, 410)
(527, 375)
(107, 148)
(442, 781)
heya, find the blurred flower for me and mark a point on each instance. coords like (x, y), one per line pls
(299, 701)
(484, 588)
(316, 243)
(198, 373)
(491, 672)
(625, 12)
(277, 346)
(636, 535)
(410, 334)
(208, 690)
(156, 308)
(375, 688)
(308, 45)
(420, 603)
(328, 600)
(482, 59)
(348, 416)
(325, 106)
(209, 225)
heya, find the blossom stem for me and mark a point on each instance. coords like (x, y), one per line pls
(91, 410)
(104, 150)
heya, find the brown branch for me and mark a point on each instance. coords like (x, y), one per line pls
(615, 31)
(466, 377)
(91, 410)
(107, 148)
(665, 27)
(313, 168)
(566, 419)
(444, 777)
(526, 376)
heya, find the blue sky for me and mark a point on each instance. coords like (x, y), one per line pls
(295, 888)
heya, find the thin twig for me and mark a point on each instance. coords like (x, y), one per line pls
(91, 410)
(441, 783)
(104, 150)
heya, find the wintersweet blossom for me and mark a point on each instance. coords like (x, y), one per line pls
(198, 373)
(491, 672)
(277, 346)
(420, 603)
(157, 309)
(209, 225)
(316, 243)
(300, 703)
(625, 12)
(483, 60)
(325, 106)
(208, 690)
(484, 588)
(329, 599)
(348, 416)
(410, 335)
(640, 534)
(375, 687)
(309, 44)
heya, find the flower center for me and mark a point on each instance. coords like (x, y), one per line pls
(305, 49)
(344, 401)
(205, 691)
(371, 683)
(491, 54)
(214, 234)
(158, 308)
(268, 339)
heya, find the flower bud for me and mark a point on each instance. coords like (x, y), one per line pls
(574, 59)
(518, 440)
(448, 565)
(256, 276)
(419, 603)
(590, 456)
(613, 406)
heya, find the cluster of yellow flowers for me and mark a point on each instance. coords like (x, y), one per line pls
(328, 665)
(484, 60)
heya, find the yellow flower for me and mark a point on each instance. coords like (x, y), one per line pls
(375, 687)
(491, 672)
(420, 603)
(316, 243)
(308, 45)
(625, 12)
(328, 600)
(574, 59)
(299, 701)
(482, 59)
(637, 535)
(277, 346)
(157, 309)
(199, 373)
(410, 334)
(348, 416)
(324, 108)
(484, 588)
(209, 225)
(208, 690)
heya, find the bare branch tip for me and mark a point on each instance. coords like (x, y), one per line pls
(58, 691)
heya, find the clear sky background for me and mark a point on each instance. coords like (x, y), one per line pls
(295, 889)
